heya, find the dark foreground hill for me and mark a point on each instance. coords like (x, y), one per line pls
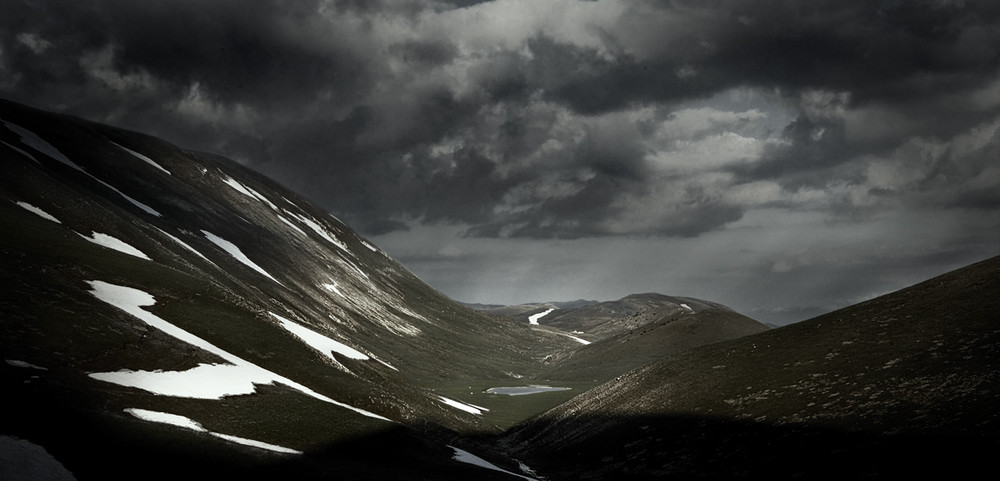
(907, 384)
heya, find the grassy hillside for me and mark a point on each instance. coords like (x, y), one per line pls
(907, 383)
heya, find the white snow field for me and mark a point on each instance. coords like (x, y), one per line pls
(234, 251)
(533, 319)
(141, 157)
(469, 458)
(206, 381)
(39, 212)
(114, 243)
(32, 140)
(188, 423)
(687, 307)
(469, 408)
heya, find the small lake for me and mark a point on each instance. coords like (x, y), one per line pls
(523, 390)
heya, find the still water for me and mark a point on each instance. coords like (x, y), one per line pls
(522, 390)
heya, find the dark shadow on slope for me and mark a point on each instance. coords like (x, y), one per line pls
(684, 447)
(94, 443)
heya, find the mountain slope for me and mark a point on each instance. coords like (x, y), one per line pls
(625, 334)
(153, 291)
(904, 384)
(606, 319)
(648, 341)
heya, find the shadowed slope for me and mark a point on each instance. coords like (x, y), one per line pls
(903, 383)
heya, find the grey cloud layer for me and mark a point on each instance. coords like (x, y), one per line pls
(558, 119)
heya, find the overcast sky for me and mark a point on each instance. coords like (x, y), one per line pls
(782, 157)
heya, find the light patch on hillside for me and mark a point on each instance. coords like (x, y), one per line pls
(293, 226)
(463, 456)
(237, 254)
(22, 152)
(206, 381)
(184, 244)
(356, 268)
(140, 205)
(23, 364)
(141, 157)
(321, 343)
(188, 423)
(333, 288)
(32, 140)
(319, 230)
(114, 243)
(249, 192)
(238, 187)
(39, 212)
(469, 408)
(533, 319)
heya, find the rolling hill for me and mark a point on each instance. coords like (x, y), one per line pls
(906, 384)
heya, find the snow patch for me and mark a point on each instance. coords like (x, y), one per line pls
(469, 408)
(238, 187)
(32, 140)
(319, 230)
(687, 307)
(234, 251)
(247, 191)
(188, 423)
(293, 226)
(183, 244)
(26, 365)
(140, 157)
(144, 207)
(320, 342)
(206, 381)
(533, 319)
(463, 456)
(22, 152)
(41, 213)
(390, 366)
(114, 243)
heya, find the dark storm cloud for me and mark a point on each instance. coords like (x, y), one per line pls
(479, 113)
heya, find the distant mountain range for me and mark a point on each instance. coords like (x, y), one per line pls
(170, 314)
